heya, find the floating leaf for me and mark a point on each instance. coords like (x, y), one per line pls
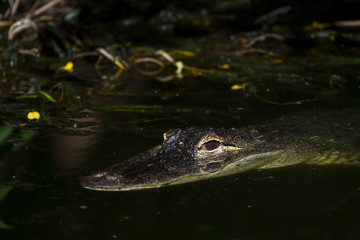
(69, 67)
(277, 61)
(26, 135)
(184, 52)
(179, 67)
(73, 14)
(316, 26)
(33, 115)
(119, 65)
(4, 225)
(224, 66)
(29, 96)
(48, 96)
(5, 132)
(4, 190)
(240, 86)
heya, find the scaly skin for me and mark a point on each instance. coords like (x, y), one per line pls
(198, 153)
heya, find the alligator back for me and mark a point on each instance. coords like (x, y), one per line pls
(316, 137)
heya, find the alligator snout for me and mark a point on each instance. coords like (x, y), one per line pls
(102, 181)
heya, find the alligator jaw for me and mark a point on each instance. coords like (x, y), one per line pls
(108, 180)
(89, 182)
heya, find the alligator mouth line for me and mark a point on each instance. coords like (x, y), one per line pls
(247, 163)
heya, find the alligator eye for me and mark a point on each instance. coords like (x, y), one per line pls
(210, 145)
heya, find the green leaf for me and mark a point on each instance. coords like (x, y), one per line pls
(4, 225)
(29, 96)
(4, 190)
(5, 132)
(72, 15)
(48, 96)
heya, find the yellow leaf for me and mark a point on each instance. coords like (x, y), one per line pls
(5, 23)
(120, 65)
(183, 52)
(316, 26)
(179, 67)
(277, 61)
(224, 66)
(240, 86)
(33, 115)
(69, 67)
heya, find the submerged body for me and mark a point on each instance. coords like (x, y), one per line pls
(199, 153)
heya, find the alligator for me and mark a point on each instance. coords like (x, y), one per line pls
(198, 153)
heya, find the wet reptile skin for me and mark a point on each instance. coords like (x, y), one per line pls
(198, 153)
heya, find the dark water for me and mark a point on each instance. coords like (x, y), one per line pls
(297, 202)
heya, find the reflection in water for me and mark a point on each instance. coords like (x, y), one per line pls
(10, 141)
(71, 151)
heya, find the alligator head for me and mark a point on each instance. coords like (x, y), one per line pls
(185, 156)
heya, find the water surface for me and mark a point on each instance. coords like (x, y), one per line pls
(297, 202)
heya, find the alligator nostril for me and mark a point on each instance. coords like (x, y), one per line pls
(86, 182)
